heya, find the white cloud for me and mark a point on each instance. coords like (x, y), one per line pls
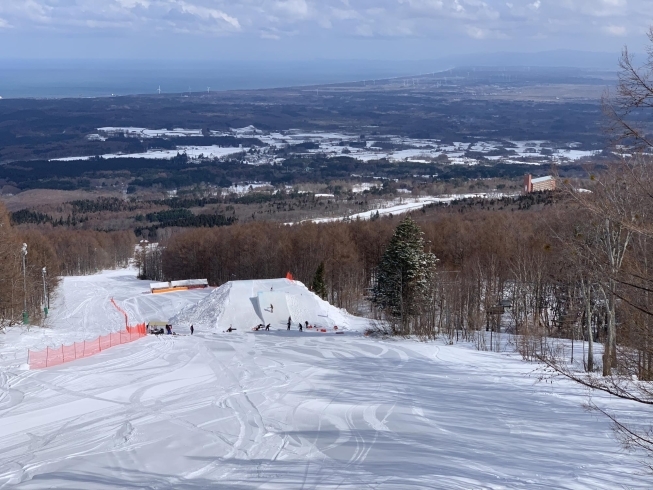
(294, 9)
(130, 4)
(615, 30)
(476, 32)
(276, 19)
(208, 14)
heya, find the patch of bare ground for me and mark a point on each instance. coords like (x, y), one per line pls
(38, 197)
(546, 93)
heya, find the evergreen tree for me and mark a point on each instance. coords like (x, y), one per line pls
(403, 274)
(318, 285)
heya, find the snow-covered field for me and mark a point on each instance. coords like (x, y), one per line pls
(285, 410)
(193, 152)
(336, 144)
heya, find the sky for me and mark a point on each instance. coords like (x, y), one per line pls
(289, 30)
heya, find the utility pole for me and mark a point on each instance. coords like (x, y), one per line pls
(24, 254)
(46, 303)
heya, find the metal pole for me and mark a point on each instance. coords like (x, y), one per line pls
(24, 253)
(45, 294)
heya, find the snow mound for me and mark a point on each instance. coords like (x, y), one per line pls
(245, 304)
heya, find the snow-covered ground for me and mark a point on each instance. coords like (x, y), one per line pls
(336, 144)
(246, 188)
(403, 205)
(285, 410)
(193, 152)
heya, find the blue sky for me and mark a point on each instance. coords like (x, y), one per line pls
(308, 29)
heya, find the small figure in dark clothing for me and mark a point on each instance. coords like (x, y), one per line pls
(267, 327)
(230, 329)
(301, 327)
(306, 324)
(271, 309)
(289, 320)
(192, 330)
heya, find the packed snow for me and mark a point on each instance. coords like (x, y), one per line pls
(281, 410)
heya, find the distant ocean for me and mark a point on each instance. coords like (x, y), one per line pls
(102, 78)
(105, 78)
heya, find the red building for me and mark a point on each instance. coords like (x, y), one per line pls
(547, 183)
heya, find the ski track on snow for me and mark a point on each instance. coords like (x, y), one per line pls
(280, 410)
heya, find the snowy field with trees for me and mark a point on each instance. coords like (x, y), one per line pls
(280, 409)
(335, 144)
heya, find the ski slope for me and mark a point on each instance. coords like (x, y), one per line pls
(286, 410)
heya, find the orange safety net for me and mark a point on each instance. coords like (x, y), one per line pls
(121, 311)
(66, 353)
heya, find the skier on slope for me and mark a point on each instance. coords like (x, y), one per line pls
(289, 320)
(267, 327)
(300, 326)
(192, 330)
(271, 309)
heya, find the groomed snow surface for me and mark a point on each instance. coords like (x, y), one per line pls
(285, 410)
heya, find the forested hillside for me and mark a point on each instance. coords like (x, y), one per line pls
(26, 286)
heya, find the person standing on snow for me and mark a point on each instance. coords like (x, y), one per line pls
(300, 326)
(271, 309)
(289, 320)
(192, 329)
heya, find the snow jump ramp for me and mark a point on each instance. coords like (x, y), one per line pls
(274, 308)
(245, 304)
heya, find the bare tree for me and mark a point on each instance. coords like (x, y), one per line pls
(627, 108)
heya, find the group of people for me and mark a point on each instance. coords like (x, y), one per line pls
(159, 331)
(168, 330)
(301, 327)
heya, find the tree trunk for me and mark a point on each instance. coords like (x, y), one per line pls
(609, 352)
(590, 334)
